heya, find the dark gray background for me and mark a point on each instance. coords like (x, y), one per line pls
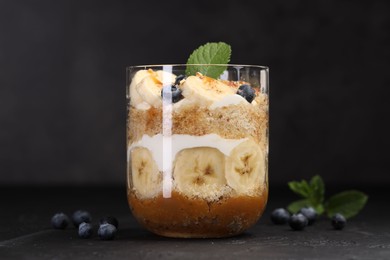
(62, 82)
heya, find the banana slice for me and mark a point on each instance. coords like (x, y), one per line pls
(200, 172)
(145, 176)
(148, 85)
(150, 91)
(205, 90)
(164, 77)
(135, 98)
(245, 167)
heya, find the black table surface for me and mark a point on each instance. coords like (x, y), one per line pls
(25, 231)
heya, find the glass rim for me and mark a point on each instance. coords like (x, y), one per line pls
(184, 65)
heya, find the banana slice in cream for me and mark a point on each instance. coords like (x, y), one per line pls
(145, 88)
(204, 90)
(145, 176)
(245, 167)
(135, 98)
(199, 172)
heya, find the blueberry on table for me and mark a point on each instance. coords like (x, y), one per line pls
(310, 214)
(338, 221)
(81, 216)
(60, 221)
(298, 221)
(247, 92)
(280, 216)
(107, 231)
(179, 78)
(172, 90)
(109, 220)
(85, 230)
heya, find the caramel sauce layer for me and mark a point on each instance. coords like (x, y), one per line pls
(180, 216)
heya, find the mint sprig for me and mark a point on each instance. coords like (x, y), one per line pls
(348, 203)
(313, 193)
(210, 53)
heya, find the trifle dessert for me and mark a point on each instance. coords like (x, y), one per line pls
(197, 150)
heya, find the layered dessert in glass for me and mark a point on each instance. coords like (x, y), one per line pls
(197, 149)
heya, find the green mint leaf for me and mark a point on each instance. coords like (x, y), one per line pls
(319, 208)
(347, 203)
(317, 190)
(295, 206)
(313, 193)
(301, 188)
(210, 53)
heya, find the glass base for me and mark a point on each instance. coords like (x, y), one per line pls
(192, 235)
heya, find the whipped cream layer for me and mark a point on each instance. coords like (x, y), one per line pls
(165, 148)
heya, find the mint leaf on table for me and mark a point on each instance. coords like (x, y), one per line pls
(317, 189)
(347, 203)
(313, 193)
(295, 206)
(301, 188)
(210, 53)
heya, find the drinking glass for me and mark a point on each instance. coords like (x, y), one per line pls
(197, 148)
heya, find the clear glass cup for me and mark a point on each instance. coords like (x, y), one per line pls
(197, 148)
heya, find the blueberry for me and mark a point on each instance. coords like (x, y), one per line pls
(179, 78)
(174, 90)
(109, 220)
(280, 216)
(298, 221)
(107, 231)
(85, 230)
(310, 214)
(338, 221)
(60, 221)
(81, 216)
(247, 92)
